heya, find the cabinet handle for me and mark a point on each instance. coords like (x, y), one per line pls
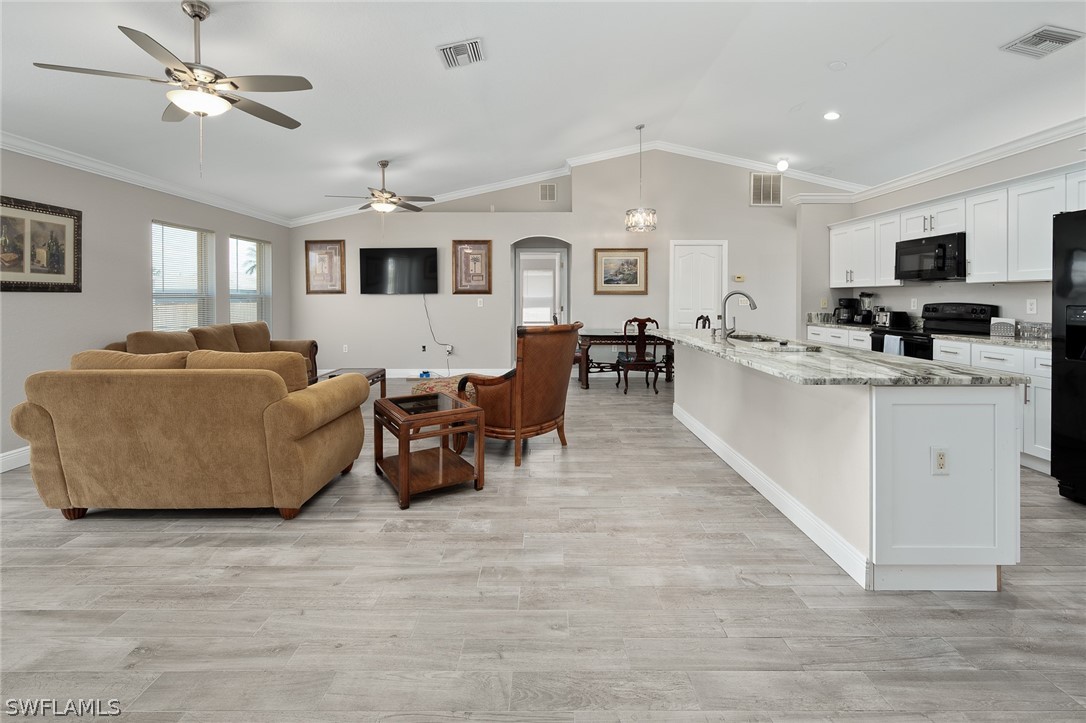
(1026, 388)
(925, 223)
(950, 351)
(993, 358)
(1046, 365)
(932, 224)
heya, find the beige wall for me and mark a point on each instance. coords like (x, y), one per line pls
(43, 330)
(695, 199)
(518, 198)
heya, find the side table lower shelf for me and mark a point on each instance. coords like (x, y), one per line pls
(430, 469)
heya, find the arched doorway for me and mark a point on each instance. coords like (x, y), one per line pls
(541, 281)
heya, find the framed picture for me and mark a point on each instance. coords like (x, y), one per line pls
(471, 267)
(41, 247)
(622, 271)
(325, 267)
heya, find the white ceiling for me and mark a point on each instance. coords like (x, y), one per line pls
(925, 84)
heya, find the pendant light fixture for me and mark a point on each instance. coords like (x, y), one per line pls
(640, 218)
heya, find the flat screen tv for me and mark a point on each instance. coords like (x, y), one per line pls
(398, 270)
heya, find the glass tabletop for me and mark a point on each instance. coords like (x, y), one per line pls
(427, 403)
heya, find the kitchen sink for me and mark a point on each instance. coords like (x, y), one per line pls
(751, 338)
(770, 343)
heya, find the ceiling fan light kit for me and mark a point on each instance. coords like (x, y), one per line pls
(199, 101)
(383, 200)
(640, 219)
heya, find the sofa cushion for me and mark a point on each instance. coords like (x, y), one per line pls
(217, 337)
(252, 336)
(103, 359)
(287, 364)
(157, 342)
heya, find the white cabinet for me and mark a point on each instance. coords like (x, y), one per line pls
(827, 335)
(986, 237)
(1030, 207)
(887, 234)
(957, 352)
(940, 218)
(1076, 191)
(1037, 411)
(1000, 358)
(859, 340)
(852, 255)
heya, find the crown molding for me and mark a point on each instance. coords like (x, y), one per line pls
(34, 149)
(1036, 140)
(801, 198)
(502, 185)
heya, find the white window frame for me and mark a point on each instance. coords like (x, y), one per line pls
(202, 294)
(262, 294)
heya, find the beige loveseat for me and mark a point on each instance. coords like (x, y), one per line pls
(200, 429)
(253, 336)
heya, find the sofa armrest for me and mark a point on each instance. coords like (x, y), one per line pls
(34, 424)
(306, 347)
(303, 411)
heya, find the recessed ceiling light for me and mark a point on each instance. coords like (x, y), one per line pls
(782, 165)
(832, 115)
(837, 65)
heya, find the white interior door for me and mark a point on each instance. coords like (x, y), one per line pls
(541, 287)
(698, 269)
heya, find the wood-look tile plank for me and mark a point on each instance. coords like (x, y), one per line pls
(418, 690)
(982, 690)
(264, 690)
(787, 690)
(580, 691)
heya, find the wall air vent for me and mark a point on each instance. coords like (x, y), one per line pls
(464, 52)
(548, 192)
(765, 189)
(1042, 41)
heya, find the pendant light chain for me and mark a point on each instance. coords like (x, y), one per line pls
(640, 219)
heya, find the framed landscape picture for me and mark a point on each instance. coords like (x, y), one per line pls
(325, 267)
(41, 247)
(471, 267)
(622, 271)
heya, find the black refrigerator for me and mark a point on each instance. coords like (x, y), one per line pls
(1069, 353)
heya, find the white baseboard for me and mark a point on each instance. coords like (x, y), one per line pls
(851, 560)
(15, 458)
(980, 578)
(1035, 463)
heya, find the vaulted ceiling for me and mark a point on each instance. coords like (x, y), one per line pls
(925, 83)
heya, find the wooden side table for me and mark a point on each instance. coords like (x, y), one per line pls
(373, 375)
(423, 416)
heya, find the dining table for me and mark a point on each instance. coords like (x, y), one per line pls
(605, 361)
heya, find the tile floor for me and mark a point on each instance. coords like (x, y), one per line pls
(629, 577)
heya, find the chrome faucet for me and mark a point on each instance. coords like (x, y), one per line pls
(729, 330)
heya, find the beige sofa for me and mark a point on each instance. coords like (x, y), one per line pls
(200, 429)
(253, 336)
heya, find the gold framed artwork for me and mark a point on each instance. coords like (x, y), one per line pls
(622, 271)
(41, 247)
(471, 267)
(325, 267)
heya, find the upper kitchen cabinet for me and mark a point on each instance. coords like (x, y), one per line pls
(887, 234)
(939, 218)
(986, 237)
(1030, 208)
(852, 255)
(1076, 191)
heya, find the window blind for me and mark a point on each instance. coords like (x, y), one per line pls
(181, 292)
(250, 280)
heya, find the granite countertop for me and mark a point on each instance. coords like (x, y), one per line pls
(835, 325)
(1039, 344)
(842, 366)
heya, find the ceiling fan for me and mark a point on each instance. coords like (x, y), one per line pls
(202, 90)
(384, 201)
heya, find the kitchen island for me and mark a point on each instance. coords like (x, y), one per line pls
(904, 471)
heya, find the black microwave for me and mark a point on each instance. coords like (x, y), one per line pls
(935, 258)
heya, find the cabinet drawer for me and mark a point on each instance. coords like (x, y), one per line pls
(859, 340)
(836, 336)
(817, 333)
(951, 351)
(1038, 363)
(1002, 358)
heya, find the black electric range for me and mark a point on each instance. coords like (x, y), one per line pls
(947, 317)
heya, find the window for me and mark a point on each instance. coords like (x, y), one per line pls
(250, 280)
(181, 290)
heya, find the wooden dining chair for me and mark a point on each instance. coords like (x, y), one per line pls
(703, 322)
(639, 353)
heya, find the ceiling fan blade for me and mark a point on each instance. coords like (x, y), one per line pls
(378, 192)
(328, 195)
(416, 198)
(364, 206)
(266, 83)
(262, 112)
(405, 205)
(173, 114)
(107, 73)
(153, 48)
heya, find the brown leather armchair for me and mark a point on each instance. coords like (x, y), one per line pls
(529, 400)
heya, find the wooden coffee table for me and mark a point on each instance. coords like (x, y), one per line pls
(372, 375)
(424, 416)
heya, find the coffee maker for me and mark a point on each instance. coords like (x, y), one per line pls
(847, 311)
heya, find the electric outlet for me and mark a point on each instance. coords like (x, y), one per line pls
(739, 278)
(448, 350)
(912, 303)
(479, 303)
(825, 304)
(939, 461)
(1031, 306)
(344, 348)
(424, 347)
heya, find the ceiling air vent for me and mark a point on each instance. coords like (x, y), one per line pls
(548, 192)
(765, 189)
(464, 52)
(1042, 41)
